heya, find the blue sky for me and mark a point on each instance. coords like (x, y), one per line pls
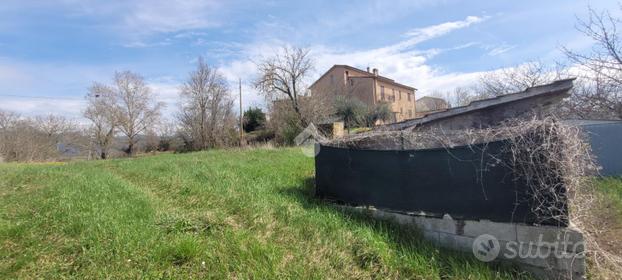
(51, 51)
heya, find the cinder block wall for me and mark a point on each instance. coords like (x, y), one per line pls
(536, 249)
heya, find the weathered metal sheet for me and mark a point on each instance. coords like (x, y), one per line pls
(492, 111)
(606, 139)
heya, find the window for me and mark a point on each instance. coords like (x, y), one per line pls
(408, 93)
(410, 113)
(400, 93)
(401, 111)
(332, 78)
(351, 82)
(382, 93)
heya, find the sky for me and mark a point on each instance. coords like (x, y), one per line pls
(52, 51)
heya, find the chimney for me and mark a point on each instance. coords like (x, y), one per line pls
(375, 71)
(367, 69)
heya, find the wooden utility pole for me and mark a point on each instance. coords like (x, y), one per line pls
(241, 115)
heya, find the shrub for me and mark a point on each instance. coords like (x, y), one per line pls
(254, 119)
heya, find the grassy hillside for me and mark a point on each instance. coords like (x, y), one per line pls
(217, 214)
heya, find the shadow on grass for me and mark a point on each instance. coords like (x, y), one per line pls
(400, 238)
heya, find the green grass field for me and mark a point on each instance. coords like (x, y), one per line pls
(611, 188)
(218, 214)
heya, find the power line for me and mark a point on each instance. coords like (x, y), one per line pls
(42, 97)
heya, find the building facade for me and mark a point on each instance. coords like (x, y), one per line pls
(428, 105)
(369, 87)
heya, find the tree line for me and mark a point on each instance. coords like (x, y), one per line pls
(124, 117)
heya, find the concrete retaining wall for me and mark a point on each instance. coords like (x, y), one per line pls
(547, 252)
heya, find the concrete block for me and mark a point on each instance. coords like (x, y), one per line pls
(446, 225)
(456, 242)
(464, 243)
(548, 233)
(432, 236)
(567, 239)
(576, 263)
(502, 231)
(401, 218)
(547, 252)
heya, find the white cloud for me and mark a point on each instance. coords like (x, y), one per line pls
(38, 106)
(142, 17)
(433, 31)
(499, 49)
(143, 44)
(189, 34)
(169, 16)
(47, 88)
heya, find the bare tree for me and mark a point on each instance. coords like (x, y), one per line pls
(40, 138)
(503, 81)
(136, 109)
(283, 75)
(7, 120)
(133, 110)
(515, 79)
(593, 98)
(207, 107)
(26, 143)
(102, 114)
(459, 96)
(602, 67)
(54, 126)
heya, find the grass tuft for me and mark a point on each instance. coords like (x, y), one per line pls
(179, 251)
